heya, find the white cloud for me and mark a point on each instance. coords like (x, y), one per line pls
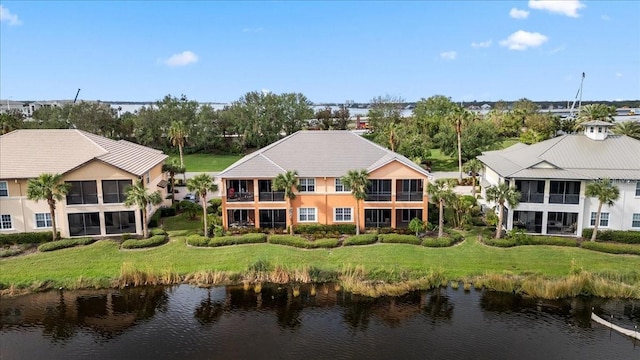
(518, 14)
(481, 44)
(566, 7)
(449, 55)
(618, 74)
(605, 17)
(7, 16)
(181, 59)
(521, 40)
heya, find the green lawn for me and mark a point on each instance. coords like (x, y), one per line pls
(206, 162)
(441, 162)
(103, 260)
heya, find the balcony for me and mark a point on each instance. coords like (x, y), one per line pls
(564, 199)
(409, 196)
(240, 191)
(268, 196)
(382, 196)
(532, 198)
(240, 197)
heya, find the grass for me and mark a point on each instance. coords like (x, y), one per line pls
(102, 261)
(206, 162)
(442, 162)
(509, 141)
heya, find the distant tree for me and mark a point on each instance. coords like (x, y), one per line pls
(296, 111)
(629, 128)
(479, 136)
(178, 135)
(94, 117)
(51, 188)
(341, 117)
(473, 166)
(12, 120)
(357, 181)
(202, 184)
(138, 195)
(594, 112)
(502, 194)
(287, 182)
(459, 118)
(429, 114)
(440, 192)
(606, 193)
(384, 110)
(324, 117)
(172, 169)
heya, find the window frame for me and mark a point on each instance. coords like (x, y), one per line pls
(47, 220)
(343, 214)
(638, 188)
(343, 188)
(306, 211)
(2, 222)
(634, 220)
(122, 196)
(308, 183)
(82, 192)
(5, 190)
(604, 218)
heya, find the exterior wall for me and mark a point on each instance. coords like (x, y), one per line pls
(325, 199)
(620, 214)
(23, 211)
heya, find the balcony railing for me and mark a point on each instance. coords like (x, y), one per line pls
(271, 196)
(532, 198)
(240, 197)
(384, 196)
(377, 224)
(410, 196)
(564, 198)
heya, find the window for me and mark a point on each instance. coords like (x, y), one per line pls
(84, 224)
(114, 191)
(4, 189)
(5, 222)
(637, 188)
(147, 177)
(273, 218)
(635, 221)
(564, 192)
(604, 219)
(379, 190)
(43, 220)
(307, 185)
(120, 222)
(340, 187)
(599, 129)
(306, 214)
(82, 192)
(342, 214)
(590, 129)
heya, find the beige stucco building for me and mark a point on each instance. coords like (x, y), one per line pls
(98, 170)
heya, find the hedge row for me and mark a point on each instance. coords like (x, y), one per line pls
(155, 240)
(547, 240)
(438, 242)
(625, 237)
(64, 243)
(203, 241)
(612, 248)
(324, 229)
(364, 239)
(26, 238)
(157, 231)
(399, 239)
(300, 242)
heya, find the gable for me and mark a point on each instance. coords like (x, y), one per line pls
(395, 169)
(96, 169)
(544, 165)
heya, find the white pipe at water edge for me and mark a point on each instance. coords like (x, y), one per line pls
(634, 334)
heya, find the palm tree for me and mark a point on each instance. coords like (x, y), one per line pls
(629, 128)
(48, 187)
(594, 112)
(607, 193)
(287, 182)
(473, 166)
(178, 135)
(358, 181)
(201, 185)
(139, 196)
(173, 168)
(502, 194)
(440, 192)
(458, 118)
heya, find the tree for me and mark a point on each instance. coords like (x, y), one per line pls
(440, 192)
(629, 128)
(606, 193)
(357, 181)
(459, 117)
(474, 166)
(173, 168)
(502, 194)
(594, 112)
(11, 120)
(287, 182)
(202, 184)
(139, 196)
(296, 110)
(478, 136)
(48, 187)
(178, 134)
(416, 225)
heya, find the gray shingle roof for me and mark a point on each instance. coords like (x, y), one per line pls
(569, 156)
(316, 154)
(29, 153)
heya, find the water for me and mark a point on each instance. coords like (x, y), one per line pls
(185, 322)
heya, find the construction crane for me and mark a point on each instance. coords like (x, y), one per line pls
(578, 99)
(74, 102)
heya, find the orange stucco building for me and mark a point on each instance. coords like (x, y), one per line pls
(396, 193)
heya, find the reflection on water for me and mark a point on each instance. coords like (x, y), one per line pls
(310, 321)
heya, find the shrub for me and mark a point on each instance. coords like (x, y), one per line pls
(155, 219)
(214, 206)
(234, 240)
(548, 240)
(10, 252)
(438, 242)
(126, 236)
(26, 238)
(167, 211)
(364, 239)
(157, 231)
(399, 239)
(155, 240)
(64, 243)
(625, 237)
(197, 240)
(500, 242)
(612, 248)
(300, 242)
(311, 229)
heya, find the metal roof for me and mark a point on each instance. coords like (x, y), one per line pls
(316, 154)
(29, 153)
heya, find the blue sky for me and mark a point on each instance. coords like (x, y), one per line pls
(330, 51)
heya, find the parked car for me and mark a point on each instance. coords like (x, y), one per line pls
(191, 197)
